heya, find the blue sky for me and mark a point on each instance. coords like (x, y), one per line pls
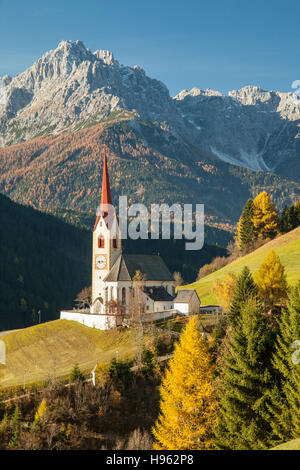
(222, 45)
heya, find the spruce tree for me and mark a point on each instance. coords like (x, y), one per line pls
(285, 397)
(244, 379)
(297, 212)
(188, 406)
(245, 228)
(76, 374)
(290, 218)
(245, 287)
(285, 220)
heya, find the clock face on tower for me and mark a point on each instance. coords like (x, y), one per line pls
(100, 261)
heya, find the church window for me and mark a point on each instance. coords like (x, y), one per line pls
(115, 243)
(123, 295)
(101, 242)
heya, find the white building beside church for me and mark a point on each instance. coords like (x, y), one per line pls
(113, 275)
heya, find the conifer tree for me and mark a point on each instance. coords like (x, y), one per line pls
(290, 217)
(265, 217)
(244, 379)
(297, 212)
(16, 424)
(76, 374)
(245, 287)
(245, 228)
(188, 406)
(271, 280)
(285, 397)
(286, 222)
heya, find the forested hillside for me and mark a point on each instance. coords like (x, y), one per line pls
(62, 174)
(44, 263)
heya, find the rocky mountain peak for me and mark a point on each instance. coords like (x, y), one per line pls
(252, 95)
(196, 92)
(70, 88)
(106, 56)
(5, 80)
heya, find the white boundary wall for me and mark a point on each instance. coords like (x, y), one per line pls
(99, 321)
(105, 322)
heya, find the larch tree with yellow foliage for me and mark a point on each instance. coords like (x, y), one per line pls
(224, 290)
(41, 412)
(188, 405)
(271, 280)
(265, 217)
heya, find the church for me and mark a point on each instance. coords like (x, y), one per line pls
(114, 275)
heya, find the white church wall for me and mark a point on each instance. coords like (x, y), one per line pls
(98, 321)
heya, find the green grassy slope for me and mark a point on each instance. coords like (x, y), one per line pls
(290, 445)
(287, 248)
(60, 344)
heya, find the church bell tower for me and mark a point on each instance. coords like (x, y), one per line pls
(107, 244)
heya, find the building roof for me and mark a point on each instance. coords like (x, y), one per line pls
(152, 266)
(158, 293)
(184, 296)
(105, 193)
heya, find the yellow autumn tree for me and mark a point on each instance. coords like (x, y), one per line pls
(265, 217)
(224, 290)
(271, 280)
(102, 374)
(41, 411)
(188, 406)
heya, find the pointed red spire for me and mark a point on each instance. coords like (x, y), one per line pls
(105, 193)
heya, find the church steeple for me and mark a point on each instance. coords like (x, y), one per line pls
(105, 192)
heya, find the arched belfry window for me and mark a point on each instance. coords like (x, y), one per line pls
(115, 242)
(101, 242)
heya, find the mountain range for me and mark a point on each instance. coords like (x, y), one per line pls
(200, 146)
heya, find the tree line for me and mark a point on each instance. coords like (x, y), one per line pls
(260, 220)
